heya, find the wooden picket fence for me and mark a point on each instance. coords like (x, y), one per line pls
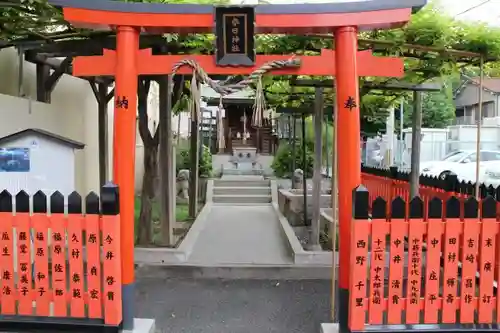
(451, 262)
(58, 266)
(390, 188)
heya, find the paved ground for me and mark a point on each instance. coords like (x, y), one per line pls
(233, 306)
(241, 235)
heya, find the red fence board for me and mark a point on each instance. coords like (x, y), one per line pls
(450, 262)
(377, 272)
(450, 270)
(398, 232)
(42, 297)
(469, 269)
(93, 242)
(112, 269)
(415, 234)
(25, 301)
(8, 294)
(358, 276)
(75, 254)
(433, 271)
(64, 279)
(486, 271)
(58, 223)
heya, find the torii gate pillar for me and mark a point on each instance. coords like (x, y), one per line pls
(346, 45)
(127, 47)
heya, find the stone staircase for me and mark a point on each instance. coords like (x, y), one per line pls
(242, 190)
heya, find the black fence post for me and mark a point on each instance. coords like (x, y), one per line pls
(394, 172)
(450, 183)
(110, 199)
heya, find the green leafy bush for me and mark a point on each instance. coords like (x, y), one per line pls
(282, 162)
(183, 160)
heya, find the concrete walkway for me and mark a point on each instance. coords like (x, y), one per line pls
(240, 235)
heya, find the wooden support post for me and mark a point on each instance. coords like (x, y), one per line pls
(20, 73)
(294, 143)
(102, 124)
(166, 151)
(194, 160)
(416, 135)
(327, 152)
(318, 159)
(335, 211)
(103, 97)
(46, 82)
(42, 73)
(304, 166)
(479, 125)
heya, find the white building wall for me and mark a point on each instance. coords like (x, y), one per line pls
(72, 113)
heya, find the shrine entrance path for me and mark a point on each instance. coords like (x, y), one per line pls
(241, 235)
(241, 228)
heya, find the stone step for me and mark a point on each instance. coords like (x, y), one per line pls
(243, 172)
(247, 198)
(254, 204)
(252, 190)
(241, 183)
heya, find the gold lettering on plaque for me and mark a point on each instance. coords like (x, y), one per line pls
(235, 38)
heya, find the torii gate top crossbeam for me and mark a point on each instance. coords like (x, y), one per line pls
(283, 18)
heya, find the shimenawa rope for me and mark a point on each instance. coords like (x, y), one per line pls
(223, 88)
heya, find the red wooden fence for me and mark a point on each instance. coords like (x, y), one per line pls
(449, 263)
(389, 189)
(63, 265)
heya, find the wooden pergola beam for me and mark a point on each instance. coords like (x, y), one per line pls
(427, 87)
(55, 64)
(95, 45)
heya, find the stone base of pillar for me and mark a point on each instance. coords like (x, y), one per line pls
(330, 328)
(142, 325)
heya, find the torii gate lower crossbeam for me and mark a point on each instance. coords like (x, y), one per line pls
(347, 64)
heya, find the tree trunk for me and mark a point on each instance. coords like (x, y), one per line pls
(148, 194)
(144, 229)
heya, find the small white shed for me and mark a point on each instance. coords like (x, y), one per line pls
(34, 159)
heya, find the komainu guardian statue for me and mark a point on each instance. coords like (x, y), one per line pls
(183, 184)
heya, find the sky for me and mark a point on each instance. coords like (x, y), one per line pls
(487, 11)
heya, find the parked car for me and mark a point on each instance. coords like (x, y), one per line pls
(461, 163)
(492, 174)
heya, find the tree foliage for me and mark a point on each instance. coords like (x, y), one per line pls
(282, 162)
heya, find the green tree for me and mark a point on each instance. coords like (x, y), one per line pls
(438, 110)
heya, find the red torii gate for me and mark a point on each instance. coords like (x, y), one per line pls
(127, 62)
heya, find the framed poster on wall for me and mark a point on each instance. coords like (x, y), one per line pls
(14, 159)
